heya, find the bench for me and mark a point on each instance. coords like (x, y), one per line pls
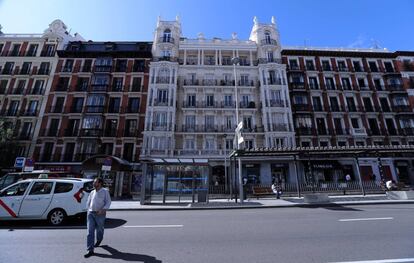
(260, 190)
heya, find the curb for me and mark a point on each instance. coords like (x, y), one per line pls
(303, 205)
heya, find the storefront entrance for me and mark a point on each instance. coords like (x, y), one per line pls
(118, 179)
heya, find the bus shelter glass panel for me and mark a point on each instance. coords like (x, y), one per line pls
(154, 183)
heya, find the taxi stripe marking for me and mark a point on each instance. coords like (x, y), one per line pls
(11, 212)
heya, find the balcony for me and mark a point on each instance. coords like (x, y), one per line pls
(130, 109)
(91, 132)
(253, 129)
(76, 109)
(61, 87)
(278, 103)
(269, 60)
(103, 68)
(407, 131)
(99, 87)
(162, 80)
(341, 131)
(171, 59)
(160, 102)
(401, 108)
(43, 71)
(110, 133)
(209, 82)
(336, 108)
(191, 82)
(301, 107)
(246, 83)
(247, 105)
(297, 85)
(95, 109)
(165, 39)
(268, 41)
(159, 126)
(72, 132)
(66, 69)
(280, 127)
(304, 131)
(359, 132)
(7, 71)
(130, 133)
(274, 81)
(395, 87)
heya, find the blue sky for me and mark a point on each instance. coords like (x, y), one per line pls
(353, 23)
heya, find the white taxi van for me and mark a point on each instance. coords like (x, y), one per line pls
(46, 199)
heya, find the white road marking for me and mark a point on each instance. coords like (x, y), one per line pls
(366, 219)
(396, 260)
(154, 226)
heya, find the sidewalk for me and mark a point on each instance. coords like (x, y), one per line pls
(259, 203)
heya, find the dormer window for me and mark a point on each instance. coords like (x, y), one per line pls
(167, 36)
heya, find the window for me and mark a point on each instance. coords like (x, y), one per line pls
(189, 144)
(82, 84)
(136, 84)
(3, 86)
(130, 128)
(121, 65)
(244, 80)
(44, 68)
(63, 84)
(128, 151)
(92, 122)
(373, 66)
(313, 83)
(341, 143)
(117, 84)
(247, 122)
(48, 50)
(388, 67)
(301, 100)
(378, 85)
(229, 144)
(15, 50)
(317, 105)
(41, 188)
(53, 127)
(361, 83)
(210, 100)
(210, 144)
(32, 108)
(16, 190)
(162, 96)
(160, 119)
(69, 152)
(338, 126)
(229, 123)
(68, 66)
(20, 87)
(228, 100)
(320, 125)
(368, 104)
(77, 105)
(267, 37)
(26, 68)
(342, 66)
(63, 188)
(293, 63)
(26, 130)
(13, 108)
(190, 121)
(139, 65)
(95, 103)
(270, 56)
(310, 65)
(133, 105)
(384, 104)
(167, 36)
(58, 108)
(351, 103)
(191, 100)
(8, 68)
(114, 104)
(355, 123)
(210, 122)
(334, 103)
(357, 66)
(87, 65)
(325, 65)
(248, 144)
(38, 87)
(346, 84)
(330, 84)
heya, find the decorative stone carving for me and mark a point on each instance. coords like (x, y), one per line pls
(234, 35)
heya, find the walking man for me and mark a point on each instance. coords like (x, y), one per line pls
(97, 204)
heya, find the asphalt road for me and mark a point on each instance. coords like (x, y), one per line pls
(336, 234)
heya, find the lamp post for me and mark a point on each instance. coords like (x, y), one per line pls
(235, 62)
(225, 163)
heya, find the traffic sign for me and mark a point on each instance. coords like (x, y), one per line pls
(19, 162)
(28, 165)
(107, 164)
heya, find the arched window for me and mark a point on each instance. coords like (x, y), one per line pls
(267, 37)
(167, 35)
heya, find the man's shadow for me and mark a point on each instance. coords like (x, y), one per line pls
(116, 254)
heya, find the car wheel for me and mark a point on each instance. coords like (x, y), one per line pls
(57, 217)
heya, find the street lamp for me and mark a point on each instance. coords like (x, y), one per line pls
(235, 62)
(225, 163)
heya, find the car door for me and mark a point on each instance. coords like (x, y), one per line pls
(37, 200)
(11, 200)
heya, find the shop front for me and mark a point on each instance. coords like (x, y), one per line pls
(119, 177)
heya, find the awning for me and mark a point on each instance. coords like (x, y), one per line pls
(95, 163)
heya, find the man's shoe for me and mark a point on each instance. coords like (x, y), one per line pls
(98, 243)
(90, 253)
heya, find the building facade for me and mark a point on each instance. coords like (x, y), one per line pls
(27, 62)
(96, 106)
(168, 109)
